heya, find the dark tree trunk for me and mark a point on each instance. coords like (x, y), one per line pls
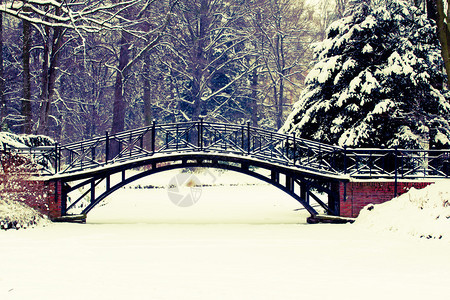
(444, 36)
(147, 98)
(199, 63)
(52, 48)
(26, 99)
(3, 108)
(119, 107)
(280, 104)
(254, 98)
(432, 12)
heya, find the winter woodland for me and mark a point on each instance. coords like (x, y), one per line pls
(377, 80)
(368, 73)
(348, 72)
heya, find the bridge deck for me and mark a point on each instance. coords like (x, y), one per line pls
(207, 159)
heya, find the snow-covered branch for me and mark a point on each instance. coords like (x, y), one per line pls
(90, 18)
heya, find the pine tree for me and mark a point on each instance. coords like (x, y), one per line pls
(377, 82)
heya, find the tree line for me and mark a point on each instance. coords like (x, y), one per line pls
(74, 70)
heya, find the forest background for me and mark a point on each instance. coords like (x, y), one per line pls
(73, 70)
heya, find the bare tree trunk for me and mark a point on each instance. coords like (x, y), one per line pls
(280, 104)
(431, 7)
(51, 55)
(26, 99)
(147, 98)
(281, 72)
(444, 36)
(254, 98)
(3, 109)
(196, 94)
(119, 107)
(199, 67)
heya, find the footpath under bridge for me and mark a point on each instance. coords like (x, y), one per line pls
(297, 166)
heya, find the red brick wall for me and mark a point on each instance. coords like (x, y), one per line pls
(359, 194)
(53, 199)
(37, 194)
(18, 184)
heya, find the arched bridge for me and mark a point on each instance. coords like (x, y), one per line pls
(301, 168)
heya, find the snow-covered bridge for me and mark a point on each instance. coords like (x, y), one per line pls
(297, 166)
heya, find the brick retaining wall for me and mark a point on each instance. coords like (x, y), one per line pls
(53, 199)
(361, 193)
(37, 194)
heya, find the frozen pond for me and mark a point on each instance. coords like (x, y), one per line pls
(245, 242)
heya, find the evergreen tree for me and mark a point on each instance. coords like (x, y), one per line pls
(377, 81)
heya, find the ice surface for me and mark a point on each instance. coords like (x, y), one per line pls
(231, 252)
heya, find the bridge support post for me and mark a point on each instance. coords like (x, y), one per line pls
(248, 138)
(304, 192)
(333, 199)
(92, 190)
(57, 157)
(290, 183)
(153, 137)
(56, 199)
(63, 200)
(275, 176)
(108, 182)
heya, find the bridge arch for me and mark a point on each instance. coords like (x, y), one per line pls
(304, 165)
(300, 185)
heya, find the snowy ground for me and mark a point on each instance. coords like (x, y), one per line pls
(239, 242)
(16, 215)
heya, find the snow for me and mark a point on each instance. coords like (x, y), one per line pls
(219, 207)
(378, 53)
(23, 141)
(241, 240)
(16, 215)
(323, 70)
(441, 138)
(370, 22)
(421, 213)
(383, 106)
(370, 84)
(367, 49)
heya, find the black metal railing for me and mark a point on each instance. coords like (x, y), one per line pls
(240, 140)
(41, 158)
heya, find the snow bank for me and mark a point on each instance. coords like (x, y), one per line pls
(16, 215)
(423, 213)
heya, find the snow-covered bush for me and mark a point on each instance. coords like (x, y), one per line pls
(22, 198)
(17, 215)
(423, 213)
(377, 81)
(25, 140)
(17, 184)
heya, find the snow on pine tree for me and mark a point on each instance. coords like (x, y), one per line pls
(377, 82)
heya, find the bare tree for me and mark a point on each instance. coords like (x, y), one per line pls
(149, 37)
(53, 19)
(3, 111)
(91, 16)
(285, 37)
(207, 59)
(26, 98)
(53, 42)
